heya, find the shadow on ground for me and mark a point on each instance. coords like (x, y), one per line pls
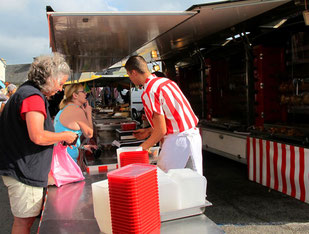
(238, 201)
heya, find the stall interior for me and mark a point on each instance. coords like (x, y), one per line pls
(113, 124)
(111, 97)
(191, 86)
(256, 77)
(226, 83)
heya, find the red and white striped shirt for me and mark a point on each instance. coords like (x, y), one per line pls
(164, 97)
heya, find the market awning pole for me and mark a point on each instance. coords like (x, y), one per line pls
(94, 94)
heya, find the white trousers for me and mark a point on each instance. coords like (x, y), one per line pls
(182, 150)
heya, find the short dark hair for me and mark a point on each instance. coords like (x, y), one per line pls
(159, 74)
(137, 63)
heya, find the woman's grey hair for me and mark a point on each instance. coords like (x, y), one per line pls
(46, 67)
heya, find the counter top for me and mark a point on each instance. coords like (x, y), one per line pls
(69, 209)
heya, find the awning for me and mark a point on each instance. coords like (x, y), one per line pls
(82, 77)
(99, 80)
(212, 18)
(95, 41)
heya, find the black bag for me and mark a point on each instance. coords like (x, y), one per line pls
(3, 97)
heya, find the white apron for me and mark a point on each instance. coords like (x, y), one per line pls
(182, 150)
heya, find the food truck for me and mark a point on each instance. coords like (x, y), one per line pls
(242, 65)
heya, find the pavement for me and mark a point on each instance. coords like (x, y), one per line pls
(239, 205)
(243, 206)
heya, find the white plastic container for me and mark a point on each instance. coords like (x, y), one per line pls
(127, 149)
(154, 154)
(101, 206)
(191, 185)
(169, 197)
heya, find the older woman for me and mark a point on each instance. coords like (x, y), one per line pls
(27, 138)
(74, 115)
(11, 89)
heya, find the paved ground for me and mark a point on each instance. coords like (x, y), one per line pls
(242, 206)
(239, 205)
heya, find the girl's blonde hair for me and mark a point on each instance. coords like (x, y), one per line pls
(68, 94)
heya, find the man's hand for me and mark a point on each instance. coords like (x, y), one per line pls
(90, 147)
(141, 134)
(157, 133)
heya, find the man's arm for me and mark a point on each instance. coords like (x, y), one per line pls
(158, 132)
(39, 136)
(141, 134)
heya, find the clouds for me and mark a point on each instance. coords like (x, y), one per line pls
(24, 31)
(13, 5)
(155, 5)
(21, 50)
(82, 6)
(24, 27)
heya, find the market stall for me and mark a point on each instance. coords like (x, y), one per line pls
(185, 60)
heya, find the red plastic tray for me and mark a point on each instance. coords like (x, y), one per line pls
(128, 126)
(127, 158)
(126, 182)
(132, 171)
(134, 199)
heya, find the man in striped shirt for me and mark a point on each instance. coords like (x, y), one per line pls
(171, 118)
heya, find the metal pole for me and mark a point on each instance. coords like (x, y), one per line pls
(249, 85)
(202, 75)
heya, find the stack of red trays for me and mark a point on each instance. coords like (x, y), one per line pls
(128, 126)
(134, 199)
(131, 157)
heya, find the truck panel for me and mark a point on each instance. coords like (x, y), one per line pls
(226, 144)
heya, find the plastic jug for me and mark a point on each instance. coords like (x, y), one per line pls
(101, 206)
(127, 149)
(191, 185)
(169, 197)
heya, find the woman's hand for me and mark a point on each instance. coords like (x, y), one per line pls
(87, 108)
(69, 137)
(84, 120)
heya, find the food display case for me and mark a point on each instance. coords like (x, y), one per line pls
(264, 95)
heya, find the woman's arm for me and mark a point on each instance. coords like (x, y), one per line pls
(85, 120)
(1, 107)
(39, 136)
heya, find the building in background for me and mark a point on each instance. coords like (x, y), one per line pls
(2, 69)
(17, 74)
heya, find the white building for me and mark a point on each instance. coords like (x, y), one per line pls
(2, 69)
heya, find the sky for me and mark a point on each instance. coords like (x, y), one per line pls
(24, 28)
